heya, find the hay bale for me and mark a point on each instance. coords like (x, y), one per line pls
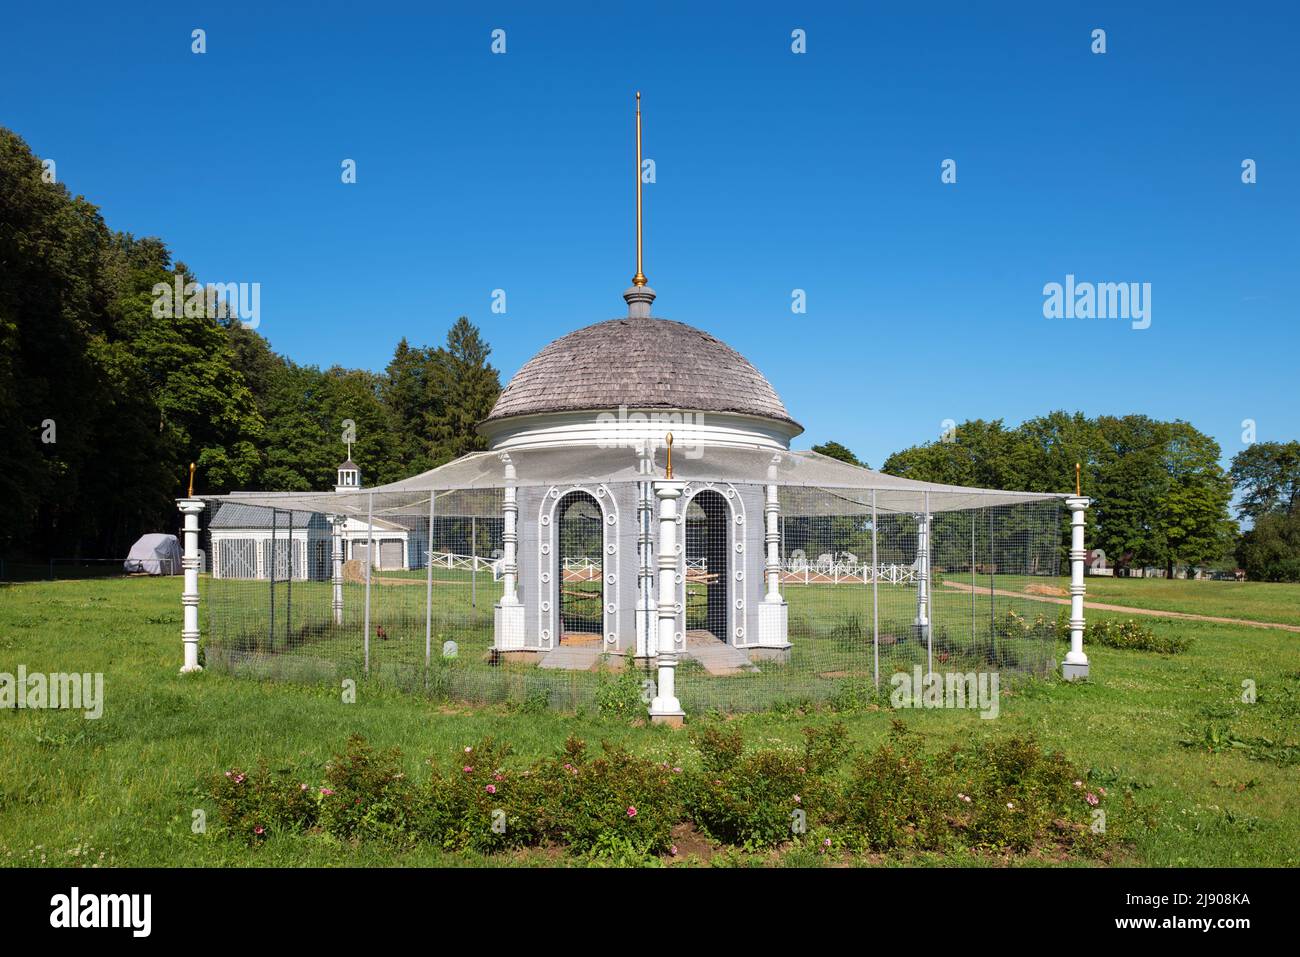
(1053, 590)
(354, 572)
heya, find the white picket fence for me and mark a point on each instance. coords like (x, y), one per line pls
(470, 563)
(825, 570)
(830, 570)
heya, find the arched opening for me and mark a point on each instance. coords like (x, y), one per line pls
(580, 569)
(707, 568)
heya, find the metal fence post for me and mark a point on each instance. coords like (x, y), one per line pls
(428, 591)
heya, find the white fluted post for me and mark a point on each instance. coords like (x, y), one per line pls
(772, 541)
(923, 579)
(336, 563)
(773, 615)
(190, 508)
(1076, 662)
(646, 609)
(665, 708)
(508, 614)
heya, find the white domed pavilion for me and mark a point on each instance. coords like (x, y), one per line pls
(626, 384)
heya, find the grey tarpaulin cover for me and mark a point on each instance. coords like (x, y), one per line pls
(155, 554)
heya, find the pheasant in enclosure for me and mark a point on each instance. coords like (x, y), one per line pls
(380, 633)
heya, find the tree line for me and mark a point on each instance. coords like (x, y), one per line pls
(104, 403)
(1159, 495)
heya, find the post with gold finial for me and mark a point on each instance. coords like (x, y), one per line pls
(639, 296)
(191, 560)
(665, 708)
(773, 615)
(1076, 661)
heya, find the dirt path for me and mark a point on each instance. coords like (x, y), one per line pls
(1100, 606)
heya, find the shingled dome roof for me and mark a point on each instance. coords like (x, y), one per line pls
(641, 364)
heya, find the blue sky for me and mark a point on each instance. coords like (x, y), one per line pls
(775, 171)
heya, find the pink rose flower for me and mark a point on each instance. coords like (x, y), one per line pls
(491, 789)
(1092, 799)
(259, 830)
(631, 812)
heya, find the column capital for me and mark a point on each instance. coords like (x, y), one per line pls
(669, 489)
(1077, 502)
(191, 506)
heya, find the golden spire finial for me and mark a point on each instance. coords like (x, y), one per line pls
(669, 439)
(639, 279)
(191, 492)
(1078, 485)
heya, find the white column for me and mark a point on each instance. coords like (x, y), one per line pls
(773, 615)
(1076, 662)
(428, 583)
(875, 594)
(923, 579)
(336, 562)
(772, 541)
(646, 608)
(665, 708)
(190, 508)
(508, 615)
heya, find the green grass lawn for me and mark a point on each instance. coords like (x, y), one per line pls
(121, 790)
(290, 632)
(1253, 601)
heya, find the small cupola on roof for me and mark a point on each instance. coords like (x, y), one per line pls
(349, 477)
(638, 365)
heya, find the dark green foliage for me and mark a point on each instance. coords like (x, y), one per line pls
(256, 804)
(1160, 495)
(1127, 633)
(133, 397)
(766, 797)
(367, 795)
(897, 798)
(1006, 796)
(614, 805)
(1003, 796)
(837, 451)
(1132, 635)
(621, 694)
(1268, 476)
(1270, 551)
(478, 803)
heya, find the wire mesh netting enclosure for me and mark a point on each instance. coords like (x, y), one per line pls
(785, 593)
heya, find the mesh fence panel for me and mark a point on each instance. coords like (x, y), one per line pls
(403, 592)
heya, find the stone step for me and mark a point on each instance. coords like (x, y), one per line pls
(716, 657)
(572, 657)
